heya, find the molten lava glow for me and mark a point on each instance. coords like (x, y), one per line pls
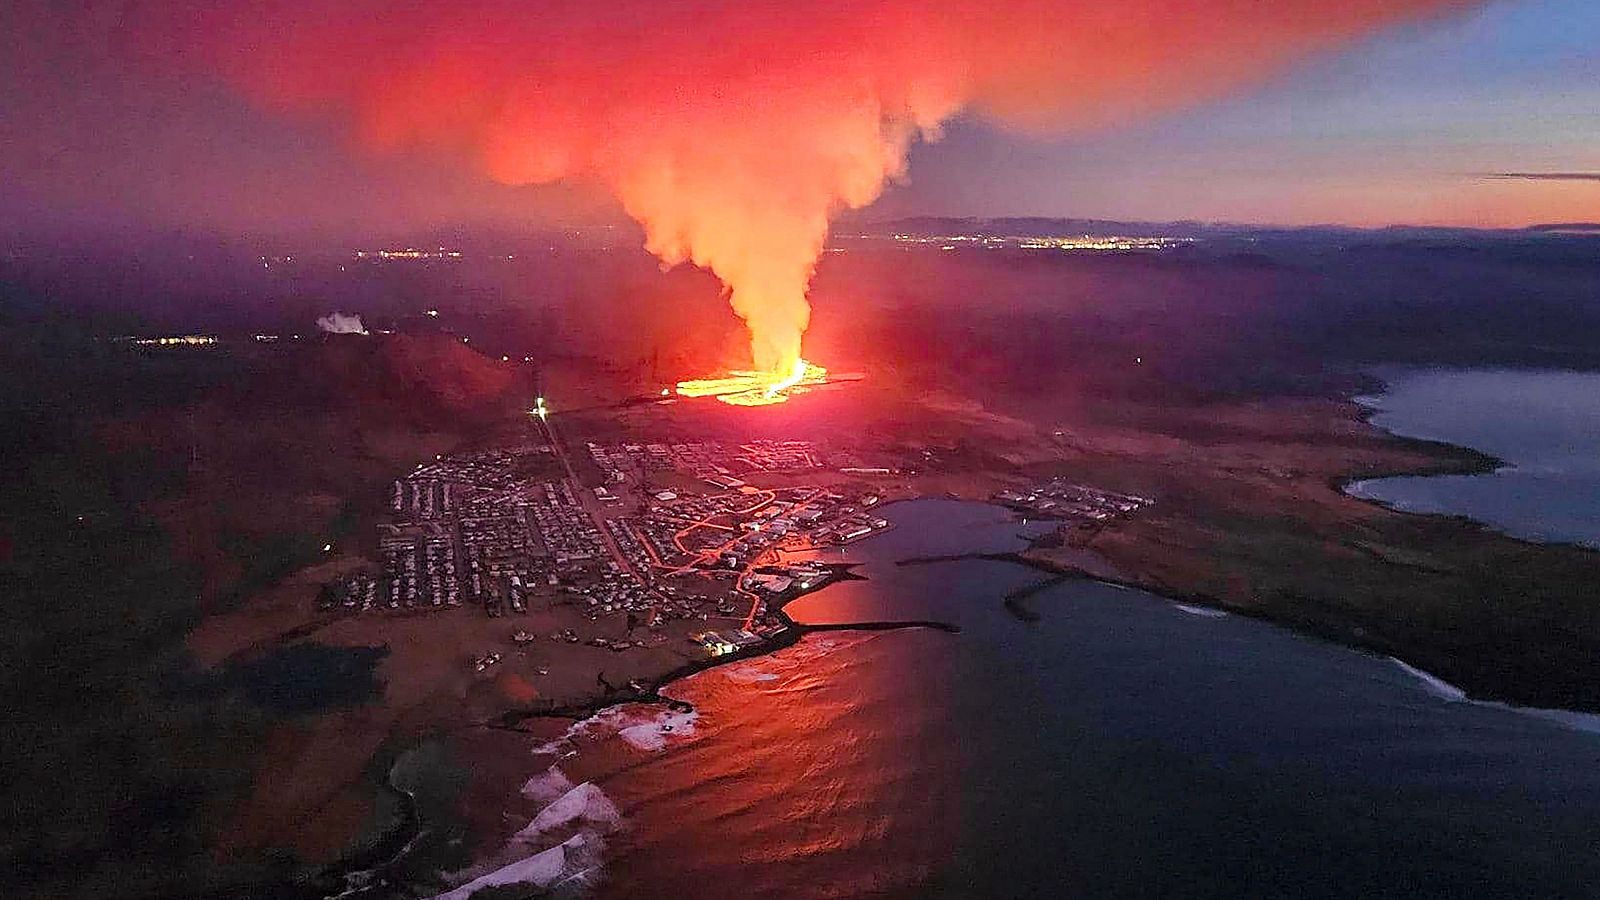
(743, 388)
(734, 130)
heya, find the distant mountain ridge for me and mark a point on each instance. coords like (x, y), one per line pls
(1044, 226)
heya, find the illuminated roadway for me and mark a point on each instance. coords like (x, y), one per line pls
(584, 496)
(677, 538)
(715, 552)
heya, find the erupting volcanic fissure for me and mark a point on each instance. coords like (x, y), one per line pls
(754, 388)
(735, 131)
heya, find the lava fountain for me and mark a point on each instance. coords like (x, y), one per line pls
(750, 388)
(734, 132)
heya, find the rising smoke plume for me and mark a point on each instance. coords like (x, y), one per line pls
(733, 131)
(339, 323)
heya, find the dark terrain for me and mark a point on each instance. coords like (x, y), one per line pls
(145, 489)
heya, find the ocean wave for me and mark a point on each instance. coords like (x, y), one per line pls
(642, 727)
(1204, 612)
(1577, 721)
(578, 857)
(1435, 685)
(654, 734)
(814, 647)
(547, 787)
(1444, 690)
(582, 815)
(748, 674)
(585, 807)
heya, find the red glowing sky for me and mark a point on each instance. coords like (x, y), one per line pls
(1361, 112)
(732, 132)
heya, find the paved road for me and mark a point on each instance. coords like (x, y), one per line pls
(585, 496)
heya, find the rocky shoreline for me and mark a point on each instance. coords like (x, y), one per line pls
(361, 874)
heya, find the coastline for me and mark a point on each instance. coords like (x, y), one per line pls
(361, 873)
(1464, 460)
(1501, 693)
(1488, 464)
(1013, 602)
(1430, 458)
(1448, 594)
(1198, 604)
(1293, 469)
(649, 690)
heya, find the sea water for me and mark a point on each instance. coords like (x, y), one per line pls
(1544, 425)
(1120, 746)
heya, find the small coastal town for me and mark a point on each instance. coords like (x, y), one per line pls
(1078, 503)
(715, 536)
(674, 533)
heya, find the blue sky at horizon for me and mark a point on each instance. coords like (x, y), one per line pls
(1398, 129)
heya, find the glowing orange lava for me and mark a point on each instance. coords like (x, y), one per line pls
(745, 388)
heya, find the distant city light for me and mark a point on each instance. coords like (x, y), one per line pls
(409, 253)
(181, 340)
(1072, 243)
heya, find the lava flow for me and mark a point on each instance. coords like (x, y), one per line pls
(744, 388)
